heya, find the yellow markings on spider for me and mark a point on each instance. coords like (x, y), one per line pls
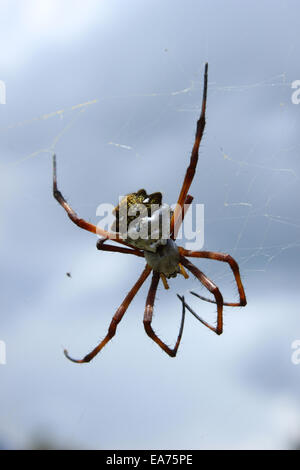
(164, 280)
(183, 271)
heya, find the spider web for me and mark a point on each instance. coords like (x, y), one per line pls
(249, 185)
(252, 208)
(114, 89)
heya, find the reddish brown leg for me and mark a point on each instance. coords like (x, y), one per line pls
(185, 208)
(234, 267)
(194, 156)
(148, 318)
(116, 318)
(117, 249)
(74, 217)
(213, 289)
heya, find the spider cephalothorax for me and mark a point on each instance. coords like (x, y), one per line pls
(147, 228)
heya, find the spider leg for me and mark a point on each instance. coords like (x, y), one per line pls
(234, 267)
(210, 285)
(116, 318)
(74, 217)
(190, 172)
(179, 220)
(148, 318)
(117, 249)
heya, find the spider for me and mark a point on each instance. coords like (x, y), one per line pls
(164, 259)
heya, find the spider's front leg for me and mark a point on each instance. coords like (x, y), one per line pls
(74, 217)
(183, 210)
(148, 318)
(190, 172)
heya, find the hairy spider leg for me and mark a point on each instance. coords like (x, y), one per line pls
(74, 217)
(116, 318)
(181, 215)
(190, 172)
(211, 286)
(102, 245)
(148, 318)
(234, 267)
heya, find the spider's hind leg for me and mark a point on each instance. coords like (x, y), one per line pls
(210, 285)
(225, 258)
(116, 319)
(149, 314)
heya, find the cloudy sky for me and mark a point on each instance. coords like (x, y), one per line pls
(114, 88)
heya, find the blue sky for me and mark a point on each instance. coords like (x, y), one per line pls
(114, 88)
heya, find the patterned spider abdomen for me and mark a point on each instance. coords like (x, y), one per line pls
(165, 260)
(142, 220)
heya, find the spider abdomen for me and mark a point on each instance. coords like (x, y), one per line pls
(165, 260)
(143, 220)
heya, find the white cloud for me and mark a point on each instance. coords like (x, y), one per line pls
(30, 25)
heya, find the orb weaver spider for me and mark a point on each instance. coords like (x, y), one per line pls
(164, 260)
